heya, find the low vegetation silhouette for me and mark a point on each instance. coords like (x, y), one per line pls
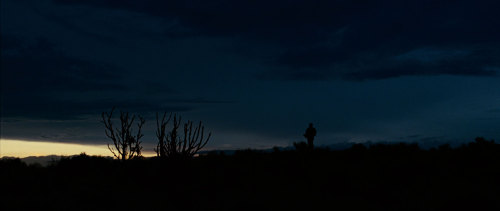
(399, 176)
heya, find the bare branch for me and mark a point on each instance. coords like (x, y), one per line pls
(126, 145)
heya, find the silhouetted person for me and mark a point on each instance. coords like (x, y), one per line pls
(310, 133)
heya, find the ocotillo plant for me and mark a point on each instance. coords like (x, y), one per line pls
(172, 144)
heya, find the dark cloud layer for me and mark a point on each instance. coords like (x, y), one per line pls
(36, 65)
(255, 71)
(353, 40)
(39, 82)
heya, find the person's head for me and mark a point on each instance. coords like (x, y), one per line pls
(310, 124)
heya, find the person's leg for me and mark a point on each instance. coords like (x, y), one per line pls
(310, 142)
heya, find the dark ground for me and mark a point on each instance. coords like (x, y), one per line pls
(378, 177)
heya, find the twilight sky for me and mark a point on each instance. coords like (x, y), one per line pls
(255, 72)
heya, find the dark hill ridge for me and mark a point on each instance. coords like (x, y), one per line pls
(49, 159)
(42, 160)
(378, 177)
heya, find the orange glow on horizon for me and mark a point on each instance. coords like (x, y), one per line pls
(21, 149)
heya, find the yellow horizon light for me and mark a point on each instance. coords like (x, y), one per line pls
(21, 149)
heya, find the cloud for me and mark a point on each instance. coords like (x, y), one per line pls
(30, 65)
(34, 75)
(39, 82)
(352, 40)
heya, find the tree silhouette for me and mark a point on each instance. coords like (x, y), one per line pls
(172, 144)
(125, 145)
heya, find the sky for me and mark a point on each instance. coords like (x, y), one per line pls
(255, 72)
